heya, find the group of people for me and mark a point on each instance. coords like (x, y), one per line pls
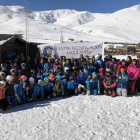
(45, 78)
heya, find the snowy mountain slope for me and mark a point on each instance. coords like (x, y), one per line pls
(74, 118)
(121, 26)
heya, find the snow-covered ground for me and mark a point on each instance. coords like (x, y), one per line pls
(74, 118)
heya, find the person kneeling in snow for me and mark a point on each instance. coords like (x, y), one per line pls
(48, 88)
(122, 79)
(109, 83)
(95, 84)
(39, 90)
(72, 87)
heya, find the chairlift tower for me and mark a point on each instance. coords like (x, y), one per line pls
(27, 27)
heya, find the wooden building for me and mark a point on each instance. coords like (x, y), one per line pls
(16, 44)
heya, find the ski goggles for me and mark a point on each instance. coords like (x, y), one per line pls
(13, 71)
(101, 71)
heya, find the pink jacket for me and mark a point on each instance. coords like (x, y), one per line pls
(133, 72)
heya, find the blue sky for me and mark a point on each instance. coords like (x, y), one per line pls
(95, 6)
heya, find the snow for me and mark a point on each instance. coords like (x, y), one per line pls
(74, 118)
(121, 26)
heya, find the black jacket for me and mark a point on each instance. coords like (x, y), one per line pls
(10, 89)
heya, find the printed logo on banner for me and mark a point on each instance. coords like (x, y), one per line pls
(48, 51)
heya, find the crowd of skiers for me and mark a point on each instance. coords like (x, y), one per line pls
(26, 81)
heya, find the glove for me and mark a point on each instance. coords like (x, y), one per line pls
(120, 78)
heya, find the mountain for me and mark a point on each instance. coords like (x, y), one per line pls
(46, 26)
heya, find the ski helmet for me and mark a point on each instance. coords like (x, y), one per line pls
(12, 71)
(51, 70)
(94, 74)
(31, 80)
(101, 70)
(81, 72)
(2, 74)
(32, 72)
(66, 69)
(2, 83)
(9, 78)
(51, 77)
(97, 57)
(108, 70)
(23, 78)
(23, 64)
(3, 65)
(46, 79)
(114, 59)
(109, 57)
(13, 64)
(40, 81)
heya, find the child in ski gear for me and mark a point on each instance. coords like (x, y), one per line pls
(59, 76)
(88, 86)
(39, 90)
(81, 89)
(109, 83)
(2, 76)
(72, 87)
(32, 74)
(75, 72)
(98, 62)
(10, 90)
(95, 84)
(48, 88)
(20, 90)
(46, 73)
(86, 71)
(133, 72)
(122, 79)
(52, 78)
(23, 71)
(30, 89)
(3, 102)
(4, 69)
(59, 88)
(81, 78)
(48, 64)
(14, 75)
(101, 77)
(14, 66)
(67, 72)
(123, 63)
(65, 85)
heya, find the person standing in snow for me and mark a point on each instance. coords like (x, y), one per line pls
(133, 72)
(122, 79)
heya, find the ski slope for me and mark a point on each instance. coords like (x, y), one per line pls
(74, 118)
(46, 26)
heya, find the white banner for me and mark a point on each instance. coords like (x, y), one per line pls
(75, 49)
(72, 49)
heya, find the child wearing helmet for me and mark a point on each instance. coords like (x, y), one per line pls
(14, 75)
(4, 69)
(98, 62)
(86, 71)
(59, 88)
(48, 88)
(10, 90)
(2, 76)
(88, 85)
(59, 74)
(72, 87)
(52, 78)
(67, 72)
(75, 72)
(101, 77)
(47, 72)
(3, 102)
(51, 72)
(29, 89)
(109, 83)
(24, 70)
(14, 66)
(32, 74)
(21, 88)
(38, 92)
(95, 84)
(65, 85)
(81, 78)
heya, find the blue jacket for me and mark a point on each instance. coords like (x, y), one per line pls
(67, 75)
(58, 77)
(81, 80)
(72, 85)
(92, 68)
(46, 74)
(99, 64)
(86, 73)
(48, 65)
(87, 84)
(95, 84)
(65, 84)
(122, 80)
(104, 65)
(38, 90)
(48, 87)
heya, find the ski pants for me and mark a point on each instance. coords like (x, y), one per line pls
(121, 92)
(11, 99)
(22, 98)
(131, 85)
(94, 92)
